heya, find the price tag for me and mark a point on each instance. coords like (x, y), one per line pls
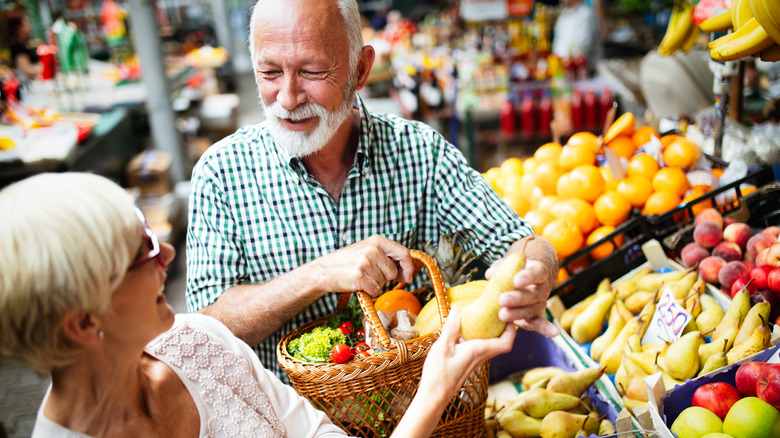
(669, 320)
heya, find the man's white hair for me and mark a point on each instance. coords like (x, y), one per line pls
(349, 12)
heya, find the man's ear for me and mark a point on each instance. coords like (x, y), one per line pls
(364, 64)
(81, 327)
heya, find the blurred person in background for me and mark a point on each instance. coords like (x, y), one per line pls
(24, 58)
(323, 185)
(577, 32)
(82, 278)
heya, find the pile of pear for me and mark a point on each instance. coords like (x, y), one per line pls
(714, 338)
(554, 404)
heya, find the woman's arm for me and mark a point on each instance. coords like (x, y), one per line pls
(447, 366)
(30, 69)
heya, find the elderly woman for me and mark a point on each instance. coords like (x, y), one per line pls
(81, 297)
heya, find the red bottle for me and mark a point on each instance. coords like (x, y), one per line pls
(545, 114)
(605, 103)
(576, 110)
(591, 111)
(527, 119)
(508, 118)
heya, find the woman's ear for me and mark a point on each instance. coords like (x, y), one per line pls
(81, 328)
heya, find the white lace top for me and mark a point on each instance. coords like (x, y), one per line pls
(234, 394)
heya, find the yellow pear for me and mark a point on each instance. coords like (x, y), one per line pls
(567, 317)
(588, 324)
(518, 424)
(638, 300)
(560, 424)
(576, 382)
(654, 280)
(755, 317)
(540, 402)
(711, 313)
(479, 320)
(614, 326)
(735, 314)
(539, 373)
(612, 355)
(682, 357)
(758, 341)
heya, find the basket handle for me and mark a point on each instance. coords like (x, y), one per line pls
(367, 304)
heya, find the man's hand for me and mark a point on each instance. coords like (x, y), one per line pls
(366, 265)
(525, 306)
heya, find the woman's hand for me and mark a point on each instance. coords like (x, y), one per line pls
(452, 359)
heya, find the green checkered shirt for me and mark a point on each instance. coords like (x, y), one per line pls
(255, 213)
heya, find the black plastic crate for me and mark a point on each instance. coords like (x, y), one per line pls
(759, 209)
(666, 224)
(585, 273)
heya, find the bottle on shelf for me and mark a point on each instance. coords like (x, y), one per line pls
(576, 110)
(527, 119)
(590, 110)
(545, 114)
(508, 118)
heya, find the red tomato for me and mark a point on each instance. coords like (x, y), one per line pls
(360, 347)
(340, 353)
(360, 335)
(347, 327)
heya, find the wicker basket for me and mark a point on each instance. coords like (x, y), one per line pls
(367, 397)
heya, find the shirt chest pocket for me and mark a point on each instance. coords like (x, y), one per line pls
(405, 235)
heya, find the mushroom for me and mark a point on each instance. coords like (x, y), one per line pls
(404, 331)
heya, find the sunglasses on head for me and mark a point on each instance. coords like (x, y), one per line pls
(150, 239)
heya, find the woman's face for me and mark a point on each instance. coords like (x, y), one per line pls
(139, 311)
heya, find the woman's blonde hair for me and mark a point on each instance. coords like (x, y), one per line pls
(66, 241)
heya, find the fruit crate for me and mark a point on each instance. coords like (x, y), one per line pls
(759, 209)
(666, 406)
(585, 273)
(531, 350)
(666, 224)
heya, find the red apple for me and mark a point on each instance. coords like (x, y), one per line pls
(742, 283)
(773, 256)
(716, 397)
(747, 377)
(760, 276)
(773, 279)
(768, 386)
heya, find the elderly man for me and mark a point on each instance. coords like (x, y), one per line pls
(326, 197)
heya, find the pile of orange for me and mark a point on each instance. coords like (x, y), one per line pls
(567, 197)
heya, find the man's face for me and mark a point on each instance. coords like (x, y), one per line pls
(302, 70)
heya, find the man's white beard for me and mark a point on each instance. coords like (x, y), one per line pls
(301, 144)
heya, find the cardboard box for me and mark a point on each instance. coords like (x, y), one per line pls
(149, 172)
(666, 406)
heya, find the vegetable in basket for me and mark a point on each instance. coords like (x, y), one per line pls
(316, 345)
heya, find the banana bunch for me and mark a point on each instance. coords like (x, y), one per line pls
(756, 31)
(681, 33)
(554, 402)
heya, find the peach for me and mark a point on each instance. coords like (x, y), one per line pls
(707, 234)
(757, 243)
(750, 264)
(729, 251)
(709, 269)
(730, 272)
(773, 255)
(738, 233)
(693, 253)
(728, 221)
(773, 230)
(761, 257)
(709, 214)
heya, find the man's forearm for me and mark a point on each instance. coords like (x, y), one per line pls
(253, 312)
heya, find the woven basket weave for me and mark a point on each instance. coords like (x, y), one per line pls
(367, 397)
